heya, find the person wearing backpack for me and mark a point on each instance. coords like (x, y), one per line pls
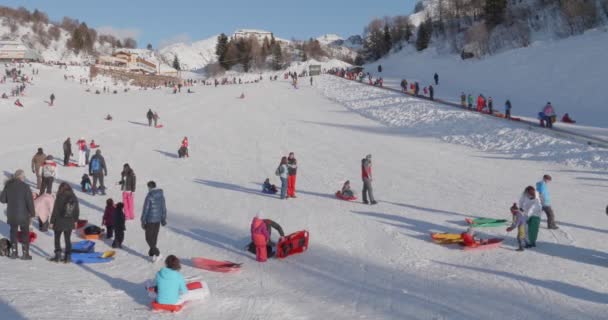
(97, 169)
(63, 220)
(49, 173)
(281, 172)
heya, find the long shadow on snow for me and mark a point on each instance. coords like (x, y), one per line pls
(591, 179)
(362, 286)
(81, 198)
(232, 187)
(134, 290)
(416, 225)
(8, 312)
(556, 286)
(167, 154)
(214, 239)
(140, 123)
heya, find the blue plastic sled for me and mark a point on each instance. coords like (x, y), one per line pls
(85, 246)
(93, 257)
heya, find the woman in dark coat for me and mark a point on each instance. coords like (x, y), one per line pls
(127, 183)
(63, 220)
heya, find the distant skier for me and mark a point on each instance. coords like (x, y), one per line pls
(52, 99)
(67, 151)
(431, 92)
(366, 176)
(154, 214)
(436, 77)
(97, 169)
(508, 109)
(150, 116)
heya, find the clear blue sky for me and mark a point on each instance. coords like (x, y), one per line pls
(160, 22)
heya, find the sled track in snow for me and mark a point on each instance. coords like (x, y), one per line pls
(558, 132)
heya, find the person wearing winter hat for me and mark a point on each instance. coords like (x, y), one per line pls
(154, 214)
(97, 169)
(49, 173)
(37, 163)
(20, 210)
(366, 176)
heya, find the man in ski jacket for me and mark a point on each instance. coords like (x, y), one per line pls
(37, 162)
(67, 151)
(545, 199)
(97, 169)
(154, 214)
(19, 212)
(366, 176)
(150, 115)
(436, 77)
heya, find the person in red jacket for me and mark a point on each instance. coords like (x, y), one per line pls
(82, 148)
(480, 103)
(566, 119)
(366, 176)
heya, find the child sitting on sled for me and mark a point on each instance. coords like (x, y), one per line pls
(346, 191)
(519, 222)
(470, 240)
(85, 183)
(269, 188)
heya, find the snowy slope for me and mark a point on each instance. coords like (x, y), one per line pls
(329, 38)
(364, 262)
(569, 73)
(192, 56)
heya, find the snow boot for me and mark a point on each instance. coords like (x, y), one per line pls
(26, 252)
(67, 258)
(374, 202)
(57, 257)
(14, 254)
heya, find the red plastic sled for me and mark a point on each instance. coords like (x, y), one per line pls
(95, 146)
(491, 244)
(72, 164)
(216, 266)
(294, 243)
(167, 307)
(341, 197)
(159, 126)
(81, 223)
(33, 236)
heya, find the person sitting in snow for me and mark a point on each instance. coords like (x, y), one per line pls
(470, 240)
(108, 117)
(566, 119)
(85, 183)
(18, 103)
(170, 285)
(4, 96)
(346, 191)
(269, 188)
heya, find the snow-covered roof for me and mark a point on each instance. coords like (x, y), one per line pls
(12, 45)
(252, 31)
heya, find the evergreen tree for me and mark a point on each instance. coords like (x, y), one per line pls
(388, 42)
(277, 56)
(244, 53)
(176, 65)
(118, 44)
(220, 51)
(304, 56)
(359, 61)
(425, 30)
(494, 11)
(265, 47)
(408, 32)
(149, 46)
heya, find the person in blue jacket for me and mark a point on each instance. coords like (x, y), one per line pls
(545, 199)
(170, 284)
(153, 216)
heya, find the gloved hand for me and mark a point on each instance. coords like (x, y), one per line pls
(163, 223)
(143, 226)
(509, 229)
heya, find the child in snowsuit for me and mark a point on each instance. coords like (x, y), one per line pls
(346, 191)
(519, 222)
(260, 237)
(119, 225)
(269, 188)
(85, 183)
(269, 244)
(108, 218)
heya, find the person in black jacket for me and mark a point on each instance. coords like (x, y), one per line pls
(64, 219)
(150, 115)
(97, 169)
(127, 185)
(67, 151)
(119, 226)
(431, 92)
(19, 212)
(436, 77)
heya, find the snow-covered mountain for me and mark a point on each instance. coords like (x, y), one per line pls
(194, 56)
(328, 39)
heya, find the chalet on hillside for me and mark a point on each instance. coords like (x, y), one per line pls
(15, 50)
(127, 61)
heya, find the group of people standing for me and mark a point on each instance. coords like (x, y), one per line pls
(287, 172)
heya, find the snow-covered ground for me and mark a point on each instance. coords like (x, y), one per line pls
(364, 262)
(569, 73)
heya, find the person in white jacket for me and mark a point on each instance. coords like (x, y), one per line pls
(531, 207)
(48, 171)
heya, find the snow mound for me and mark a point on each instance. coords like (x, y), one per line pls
(427, 119)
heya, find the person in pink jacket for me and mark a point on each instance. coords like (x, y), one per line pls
(43, 205)
(259, 237)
